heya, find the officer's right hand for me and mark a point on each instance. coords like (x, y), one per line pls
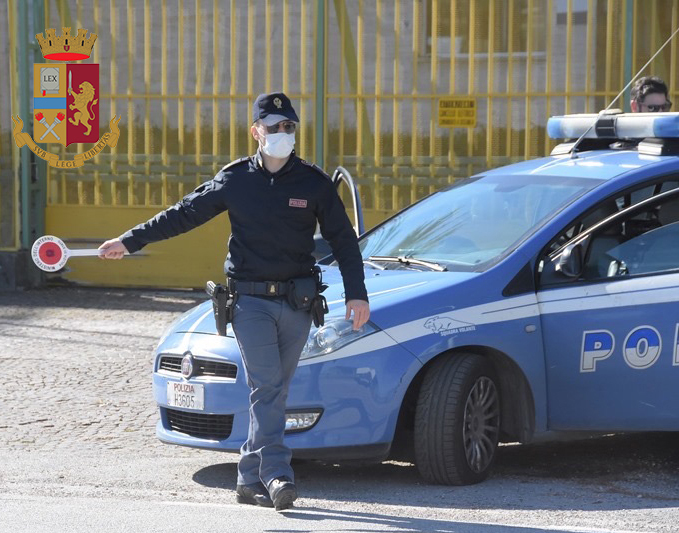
(112, 249)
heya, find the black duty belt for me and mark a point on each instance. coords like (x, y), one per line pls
(259, 288)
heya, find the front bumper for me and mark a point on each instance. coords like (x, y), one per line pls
(359, 394)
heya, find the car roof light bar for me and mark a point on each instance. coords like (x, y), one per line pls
(614, 126)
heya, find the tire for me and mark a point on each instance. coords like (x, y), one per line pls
(457, 420)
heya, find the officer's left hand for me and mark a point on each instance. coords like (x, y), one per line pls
(361, 311)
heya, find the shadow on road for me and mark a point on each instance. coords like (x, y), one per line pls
(606, 473)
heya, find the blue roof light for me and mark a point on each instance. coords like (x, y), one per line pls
(666, 126)
(614, 126)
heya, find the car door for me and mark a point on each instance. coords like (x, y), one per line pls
(609, 304)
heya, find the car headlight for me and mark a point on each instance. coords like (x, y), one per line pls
(336, 332)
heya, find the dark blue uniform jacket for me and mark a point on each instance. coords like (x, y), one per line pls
(273, 221)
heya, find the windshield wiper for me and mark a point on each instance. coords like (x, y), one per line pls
(409, 261)
(373, 265)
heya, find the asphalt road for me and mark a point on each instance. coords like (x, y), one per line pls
(78, 450)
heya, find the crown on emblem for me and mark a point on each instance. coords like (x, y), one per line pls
(66, 47)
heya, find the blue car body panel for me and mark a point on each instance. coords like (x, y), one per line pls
(557, 337)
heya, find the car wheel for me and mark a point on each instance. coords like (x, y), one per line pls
(457, 420)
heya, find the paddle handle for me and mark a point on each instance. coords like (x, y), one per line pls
(86, 252)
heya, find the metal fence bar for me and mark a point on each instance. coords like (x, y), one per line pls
(198, 88)
(360, 122)
(303, 88)
(252, 12)
(510, 76)
(267, 53)
(471, 73)
(588, 59)
(635, 36)
(21, 41)
(215, 81)
(673, 51)
(114, 77)
(609, 46)
(569, 53)
(164, 103)
(17, 154)
(654, 31)
(490, 83)
(379, 189)
(319, 73)
(286, 46)
(627, 56)
(180, 101)
(548, 71)
(130, 103)
(233, 86)
(147, 103)
(395, 117)
(80, 184)
(451, 77)
(433, 79)
(342, 15)
(326, 54)
(413, 131)
(529, 81)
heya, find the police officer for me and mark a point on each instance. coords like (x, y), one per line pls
(274, 200)
(649, 95)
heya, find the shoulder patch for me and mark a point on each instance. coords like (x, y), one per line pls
(235, 162)
(315, 167)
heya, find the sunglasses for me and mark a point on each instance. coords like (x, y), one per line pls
(288, 127)
(660, 107)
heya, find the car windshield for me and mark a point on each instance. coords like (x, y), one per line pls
(472, 225)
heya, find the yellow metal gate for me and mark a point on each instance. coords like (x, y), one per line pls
(373, 81)
(9, 166)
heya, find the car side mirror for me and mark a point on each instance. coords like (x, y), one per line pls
(571, 261)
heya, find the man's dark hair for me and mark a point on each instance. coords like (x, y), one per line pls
(647, 85)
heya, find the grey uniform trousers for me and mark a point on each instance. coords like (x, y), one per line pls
(271, 336)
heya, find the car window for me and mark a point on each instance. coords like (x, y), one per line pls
(470, 226)
(641, 244)
(609, 207)
(640, 241)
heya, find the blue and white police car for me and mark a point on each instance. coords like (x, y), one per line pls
(533, 299)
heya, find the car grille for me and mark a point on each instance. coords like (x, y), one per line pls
(201, 367)
(201, 426)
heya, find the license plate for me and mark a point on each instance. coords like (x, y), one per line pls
(187, 395)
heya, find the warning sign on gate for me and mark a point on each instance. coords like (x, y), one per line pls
(457, 112)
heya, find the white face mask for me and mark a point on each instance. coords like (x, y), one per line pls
(278, 145)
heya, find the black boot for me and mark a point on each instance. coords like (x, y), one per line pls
(283, 492)
(253, 494)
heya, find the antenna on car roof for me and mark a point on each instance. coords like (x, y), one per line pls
(575, 145)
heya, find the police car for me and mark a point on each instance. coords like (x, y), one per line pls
(529, 300)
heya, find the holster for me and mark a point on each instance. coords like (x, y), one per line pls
(223, 304)
(305, 294)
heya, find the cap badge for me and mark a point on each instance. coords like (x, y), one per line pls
(278, 103)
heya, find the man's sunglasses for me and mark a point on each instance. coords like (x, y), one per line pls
(659, 107)
(288, 127)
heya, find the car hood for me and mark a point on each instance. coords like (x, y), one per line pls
(386, 288)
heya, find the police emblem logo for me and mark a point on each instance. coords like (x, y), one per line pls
(66, 103)
(278, 103)
(66, 99)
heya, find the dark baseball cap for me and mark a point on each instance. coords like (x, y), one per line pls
(273, 108)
